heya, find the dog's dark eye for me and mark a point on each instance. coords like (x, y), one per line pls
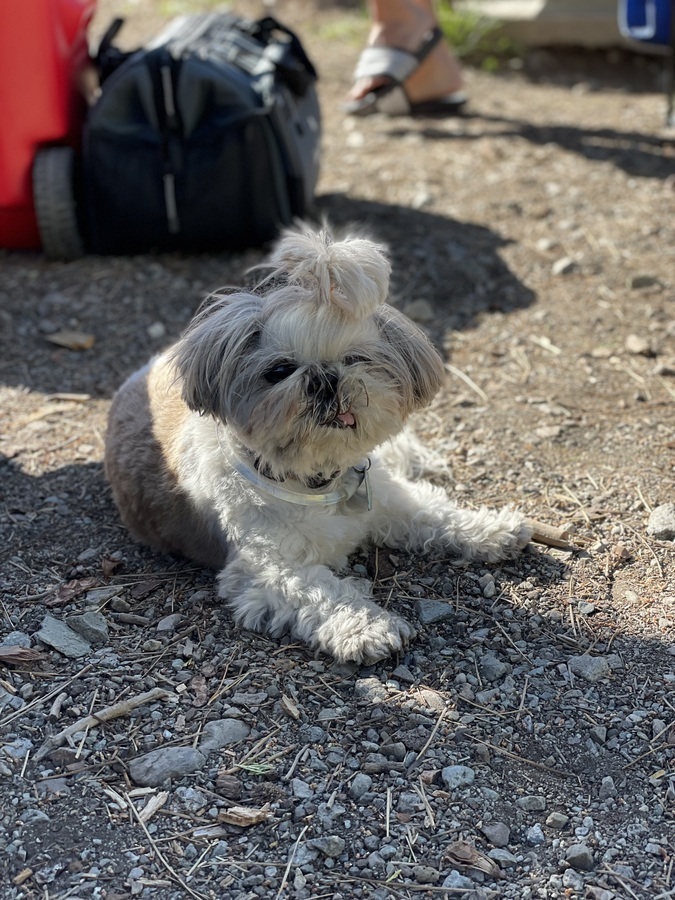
(279, 372)
(354, 360)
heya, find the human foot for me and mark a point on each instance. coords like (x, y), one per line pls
(432, 73)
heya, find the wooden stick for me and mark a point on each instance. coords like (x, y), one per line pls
(550, 535)
(105, 715)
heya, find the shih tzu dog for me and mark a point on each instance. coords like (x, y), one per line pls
(269, 443)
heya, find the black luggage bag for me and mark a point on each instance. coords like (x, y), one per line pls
(207, 139)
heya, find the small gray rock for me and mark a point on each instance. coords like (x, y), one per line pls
(331, 845)
(377, 762)
(313, 734)
(535, 835)
(159, 765)
(403, 673)
(590, 668)
(191, 799)
(503, 857)
(376, 861)
(249, 700)
(593, 892)
(304, 855)
(120, 605)
(301, 789)
(599, 734)
(623, 870)
(492, 668)
(580, 857)
(370, 689)
(458, 883)
(557, 820)
(64, 640)
(487, 585)
(15, 639)
(607, 788)
(12, 701)
(426, 874)
(103, 594)
(572, 880)
(455, 777)
(91, 625)
(658, 729)
(360, 785)
(396, 751)
(389, 852)
(497, 833)
(18, 748)
(330, 815)
(531, 803)
(31, 816)
(329, 713)
(429, 612)
(408, 802)
(169, 623)
(661, 524)
(87, 554)
(221, 733)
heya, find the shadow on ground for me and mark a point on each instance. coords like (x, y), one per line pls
(637, 154)
(455, 266)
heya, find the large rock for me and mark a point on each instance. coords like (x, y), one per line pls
(590, 668)
(580, 857)
(661, 524)
(164, 763)
(221, 733)
(64, 640)
(455, 777)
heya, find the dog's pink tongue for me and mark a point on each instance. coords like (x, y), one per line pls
(346, 418)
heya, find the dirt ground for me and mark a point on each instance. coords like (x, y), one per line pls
(524, 746)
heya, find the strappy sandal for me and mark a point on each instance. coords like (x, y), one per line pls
(397, 66)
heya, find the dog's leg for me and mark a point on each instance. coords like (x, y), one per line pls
(335, 615)
(419, 516)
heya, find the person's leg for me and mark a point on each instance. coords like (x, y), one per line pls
(403, 24)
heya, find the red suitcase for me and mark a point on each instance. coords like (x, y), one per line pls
(43, 56)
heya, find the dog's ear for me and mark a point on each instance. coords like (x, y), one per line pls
(418, 367)
(212, 353)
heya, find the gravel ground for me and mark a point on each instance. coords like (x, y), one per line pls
(524, 746)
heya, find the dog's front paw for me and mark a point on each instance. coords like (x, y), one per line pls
(364, 636)
(497, 535)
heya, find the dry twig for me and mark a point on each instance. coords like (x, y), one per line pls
(169, 868)
(551, 535)
(122, 708)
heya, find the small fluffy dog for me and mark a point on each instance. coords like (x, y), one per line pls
(269, 443)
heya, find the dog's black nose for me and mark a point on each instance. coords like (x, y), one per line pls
(323, 384)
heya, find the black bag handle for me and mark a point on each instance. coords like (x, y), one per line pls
(289, 57)
(108, 57)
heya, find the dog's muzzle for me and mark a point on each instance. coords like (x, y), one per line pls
(323, 390)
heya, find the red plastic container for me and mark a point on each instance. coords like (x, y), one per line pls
(43, 50)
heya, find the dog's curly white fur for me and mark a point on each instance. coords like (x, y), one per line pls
(232, 448)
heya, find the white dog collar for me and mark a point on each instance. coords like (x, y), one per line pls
(346, 485)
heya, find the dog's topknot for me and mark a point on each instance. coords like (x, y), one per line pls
(351, 275)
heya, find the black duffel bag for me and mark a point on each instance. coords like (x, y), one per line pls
(206, 139)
